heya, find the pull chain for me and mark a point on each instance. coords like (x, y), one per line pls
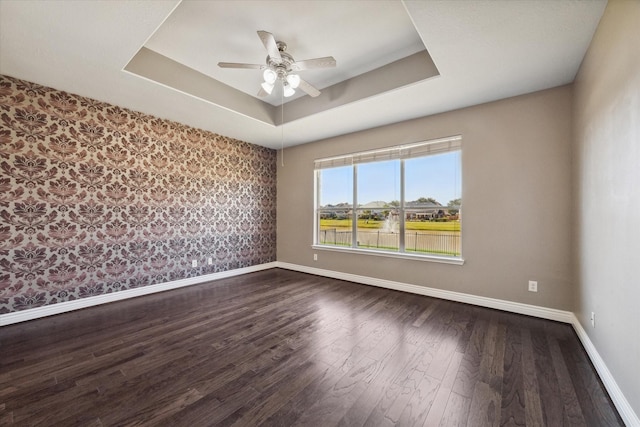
(282, 128)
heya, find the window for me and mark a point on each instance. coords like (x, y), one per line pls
(398, 201)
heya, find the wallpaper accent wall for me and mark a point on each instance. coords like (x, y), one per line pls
(96, 198)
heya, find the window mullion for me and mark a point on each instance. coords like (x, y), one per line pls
(316, 219)
(354, 215)
(401, 208)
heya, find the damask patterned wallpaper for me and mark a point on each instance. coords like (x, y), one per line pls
(95, 199)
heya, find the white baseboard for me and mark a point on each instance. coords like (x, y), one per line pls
(629, 417)
(513, 307)
(63, 307)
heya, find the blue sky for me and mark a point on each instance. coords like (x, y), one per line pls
(435, 176)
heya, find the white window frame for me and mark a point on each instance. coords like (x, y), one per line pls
(400, 152)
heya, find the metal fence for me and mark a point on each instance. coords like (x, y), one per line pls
(428, 242)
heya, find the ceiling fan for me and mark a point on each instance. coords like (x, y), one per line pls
(280, 65)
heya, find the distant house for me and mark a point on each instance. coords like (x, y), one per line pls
(376, 210)
(380, 210)
(339, 211)
(417, 211)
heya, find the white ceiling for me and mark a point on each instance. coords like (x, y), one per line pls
(484, 50)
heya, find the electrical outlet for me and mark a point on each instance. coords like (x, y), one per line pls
(533, 286)
(194, 263)
(315, 257)
(210, 261)
(593, 319)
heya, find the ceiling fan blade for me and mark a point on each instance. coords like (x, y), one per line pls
(262, 93)
(238, 65)
(326, 62)
(306, 86)
(270, 44)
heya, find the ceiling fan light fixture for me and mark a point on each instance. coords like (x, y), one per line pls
(280, 66)
(294, 80)
(288, 90)
(270, 77)
(268, 87)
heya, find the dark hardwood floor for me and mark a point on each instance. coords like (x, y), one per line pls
(284, 348)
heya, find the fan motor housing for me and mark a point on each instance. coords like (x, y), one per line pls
(283, 67)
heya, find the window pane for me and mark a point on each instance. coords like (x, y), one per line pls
(334, 227)
(379, 182)
(335, 187)
(436, 177)
(335, 199)
(432, 204)
(378, 205)
(379, 232)
(430, 235)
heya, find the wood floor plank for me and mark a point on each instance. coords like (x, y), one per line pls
(456, 412)
(295, 407)
(425, 314)
(438, 340)
(593, 400)
(282, 348)
(436, 413)
(262, 408)
(512, 410)
(469, 372)
(446, 349)
(572, 412)
(416, 410)
(532, 405)
(392, 359)
(407, 389)
(157, 412)
(335, 402)
(6, 417)
(485, 407)
(210, 411)
(550, 397)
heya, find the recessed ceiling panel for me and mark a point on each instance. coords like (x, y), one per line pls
(360, 35)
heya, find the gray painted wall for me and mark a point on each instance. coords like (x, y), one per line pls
(516, 196)
(607, 193)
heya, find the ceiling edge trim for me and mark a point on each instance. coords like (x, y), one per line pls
(166, 72)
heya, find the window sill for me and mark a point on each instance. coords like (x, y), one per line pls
(427, 258)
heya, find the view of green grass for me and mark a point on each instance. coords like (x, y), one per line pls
(409, 225)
